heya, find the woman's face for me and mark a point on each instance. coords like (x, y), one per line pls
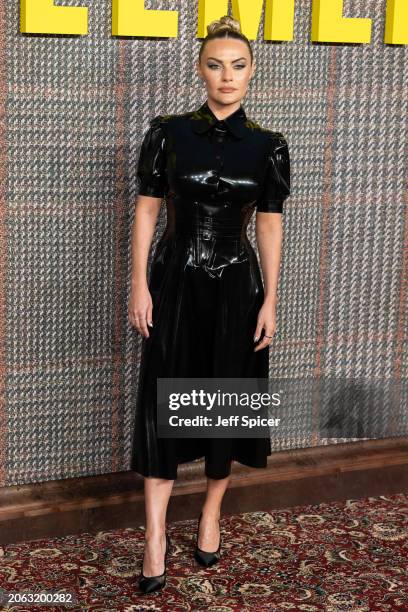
(226, 64)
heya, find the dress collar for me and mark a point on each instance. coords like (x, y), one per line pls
(204, 119)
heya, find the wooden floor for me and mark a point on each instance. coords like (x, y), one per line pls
(302, 476)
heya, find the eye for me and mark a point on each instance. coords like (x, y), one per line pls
(237, 66)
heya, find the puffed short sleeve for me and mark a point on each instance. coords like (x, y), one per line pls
(151, 168)
(276, 187)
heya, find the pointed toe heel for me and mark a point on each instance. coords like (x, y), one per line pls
(204, 558)
(148, 584)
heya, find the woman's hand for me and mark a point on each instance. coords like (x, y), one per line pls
(266, 321)
(140, 309)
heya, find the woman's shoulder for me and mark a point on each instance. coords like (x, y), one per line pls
(257, 128)
(275, 141)
(173, 125)
(165, 124)
(159, 120)
(162, 120)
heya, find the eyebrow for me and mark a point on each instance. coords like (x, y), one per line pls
(235, 60)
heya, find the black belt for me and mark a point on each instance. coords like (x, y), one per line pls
(208, 228)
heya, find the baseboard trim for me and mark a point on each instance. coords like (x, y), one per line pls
(301, 476)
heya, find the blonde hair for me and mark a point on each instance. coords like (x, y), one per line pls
(225, 27)
(225, 23)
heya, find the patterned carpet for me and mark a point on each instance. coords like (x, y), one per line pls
(335, 557)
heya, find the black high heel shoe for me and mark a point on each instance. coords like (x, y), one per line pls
(203, 557)
(148, 584)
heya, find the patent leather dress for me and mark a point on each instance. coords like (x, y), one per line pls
(205, 279)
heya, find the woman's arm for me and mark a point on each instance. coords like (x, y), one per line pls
(140, 302)
(151, 174)
(269, 207)
(269, 240)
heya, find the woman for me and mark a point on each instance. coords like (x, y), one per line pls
(205, 303)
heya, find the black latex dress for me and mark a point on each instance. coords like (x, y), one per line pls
(205, 280)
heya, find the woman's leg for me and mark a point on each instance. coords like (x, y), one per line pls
(209, 535)
(157, 495)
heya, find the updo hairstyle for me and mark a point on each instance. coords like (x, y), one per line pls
(225, 27)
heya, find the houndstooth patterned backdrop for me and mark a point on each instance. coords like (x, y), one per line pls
(74, 113)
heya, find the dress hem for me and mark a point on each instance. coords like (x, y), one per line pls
(208, 475)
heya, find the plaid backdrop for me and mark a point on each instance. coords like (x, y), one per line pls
(74, 110)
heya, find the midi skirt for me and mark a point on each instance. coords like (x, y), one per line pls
(206, 297)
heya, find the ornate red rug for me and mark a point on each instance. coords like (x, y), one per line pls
(350, 556)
